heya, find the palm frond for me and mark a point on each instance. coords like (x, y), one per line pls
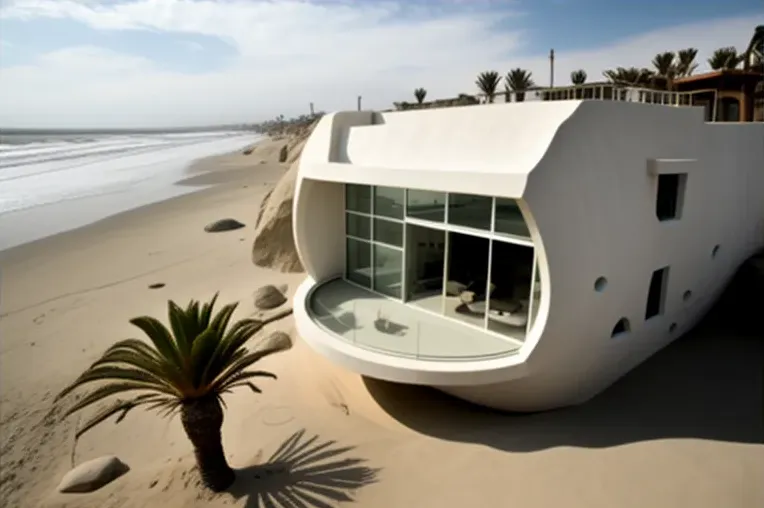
(103, 392)
(138, 361)
(184, 327)
(237, 366)
(248, 384)
(236, 337)
(241, 377)
(115, 373)
(161, 338)
(206, 313)
(120, 406)
(202, 353)
(222, 318)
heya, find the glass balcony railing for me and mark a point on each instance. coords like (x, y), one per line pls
(380, 324)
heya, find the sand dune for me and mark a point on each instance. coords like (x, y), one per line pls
(682, 430)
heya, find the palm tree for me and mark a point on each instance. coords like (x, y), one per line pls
(519, 80)
(753, 58)
(487, 82)
(578, 77)
(665, 68)
(420, 94)
(724, 58)
(186, 369)
(631, 76)
(685, 64)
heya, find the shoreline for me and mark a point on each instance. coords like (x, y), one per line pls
(64, 215)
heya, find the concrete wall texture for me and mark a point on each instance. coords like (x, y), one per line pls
(586, 175)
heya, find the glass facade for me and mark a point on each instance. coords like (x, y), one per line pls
(374, 238)
(466, 257)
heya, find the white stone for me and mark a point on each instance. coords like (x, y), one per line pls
(93, 474)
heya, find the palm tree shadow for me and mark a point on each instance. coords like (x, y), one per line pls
(303, 473)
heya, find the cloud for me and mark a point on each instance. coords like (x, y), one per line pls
(292, 53)
(192, 46)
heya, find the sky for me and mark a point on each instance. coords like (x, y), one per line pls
(153, 63)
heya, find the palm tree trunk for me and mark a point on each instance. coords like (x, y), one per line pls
(202, 420)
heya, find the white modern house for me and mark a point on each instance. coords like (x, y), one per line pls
(522, 256)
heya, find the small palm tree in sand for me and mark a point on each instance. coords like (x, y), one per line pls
(185, 370)
(420, 94)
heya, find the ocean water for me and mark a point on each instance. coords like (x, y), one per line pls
(52, 182)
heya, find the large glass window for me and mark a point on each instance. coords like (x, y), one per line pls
(484, 278)
(388, 270)
(374, 240)
(388, 202)
(425, 256)
(359, 262)
(389, 232)
(470, 211)
(509, 305)
(358, 226)
(467, 278)
(358, 198)
(426, 205)
(509, 218)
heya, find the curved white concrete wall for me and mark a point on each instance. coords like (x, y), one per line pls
(586, 175)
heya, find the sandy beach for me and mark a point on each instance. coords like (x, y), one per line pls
(684, 429)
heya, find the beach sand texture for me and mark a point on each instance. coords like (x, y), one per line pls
(678, 431)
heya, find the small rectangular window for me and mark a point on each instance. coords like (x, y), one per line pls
(670, 196)
(656, 295)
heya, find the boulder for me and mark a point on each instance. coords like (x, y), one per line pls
(269, 297)
(93, 474)
(283, 153)
(277, 339)
(223, 225)
(274, 242)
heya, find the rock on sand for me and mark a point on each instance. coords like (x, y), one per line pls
(93, 474)
(223, 225)
(269, 297)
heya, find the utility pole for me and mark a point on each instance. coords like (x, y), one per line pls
(551, 68)
(359, 103)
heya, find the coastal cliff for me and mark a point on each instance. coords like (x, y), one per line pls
(274, 243)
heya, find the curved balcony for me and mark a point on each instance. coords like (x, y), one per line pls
(374, 322)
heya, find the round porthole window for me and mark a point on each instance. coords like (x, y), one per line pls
(687, 295)
(600, 284)
(672, 328)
